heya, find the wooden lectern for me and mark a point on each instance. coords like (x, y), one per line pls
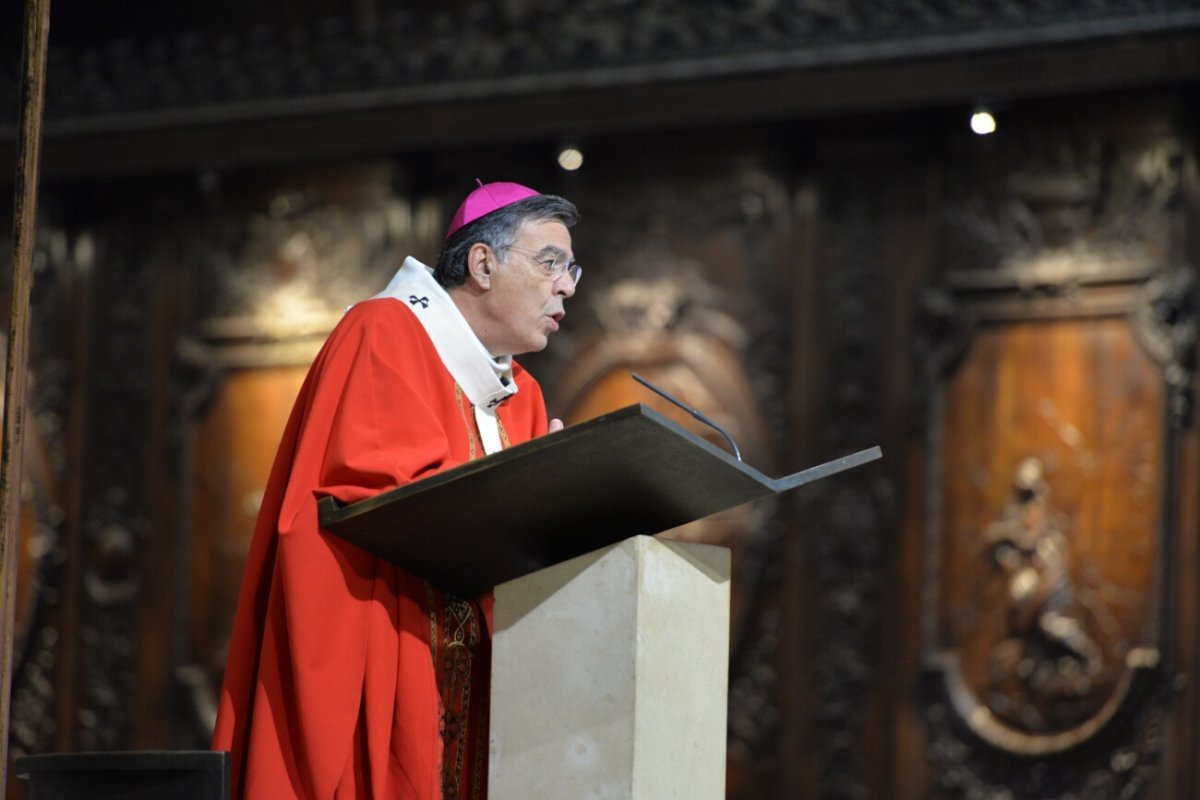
(611, 648)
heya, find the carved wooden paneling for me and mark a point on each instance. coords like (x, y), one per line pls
(842, 524)
(115, 532)
(1060, 359)
(36, 637)
(43, 626)
(342, 59)
(1049, 528)
(1046, 569)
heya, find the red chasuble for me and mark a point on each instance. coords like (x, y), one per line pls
(347, 676)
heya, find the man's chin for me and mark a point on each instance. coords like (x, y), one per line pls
(533, 346)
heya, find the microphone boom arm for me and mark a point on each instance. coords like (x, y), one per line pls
(690, 410)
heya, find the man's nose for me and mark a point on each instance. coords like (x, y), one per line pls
(564, 285)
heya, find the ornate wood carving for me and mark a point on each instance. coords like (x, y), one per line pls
(374, 55)
(35, 649)
(116, 528)
(39, 620)
(1050, 481)
(278, 275)
(1165, 320)
(846, 522)
(1056, 208)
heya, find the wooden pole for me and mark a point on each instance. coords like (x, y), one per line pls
(29, 148)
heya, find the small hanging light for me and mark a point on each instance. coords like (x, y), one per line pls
(982, 122)
(570, 158)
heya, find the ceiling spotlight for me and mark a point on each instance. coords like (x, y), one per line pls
(982, 122)
(570, 158)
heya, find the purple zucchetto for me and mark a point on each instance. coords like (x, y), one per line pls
(487, 198)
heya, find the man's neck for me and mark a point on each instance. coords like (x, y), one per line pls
(469, 305)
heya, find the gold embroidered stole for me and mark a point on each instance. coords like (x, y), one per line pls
(466, 411)
(462, 662)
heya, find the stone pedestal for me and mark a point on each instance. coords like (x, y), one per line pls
(610, 676)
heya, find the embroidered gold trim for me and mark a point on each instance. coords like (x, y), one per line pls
(468, 421)
(431, 601)
(480, 753)
(461, 637)
(504, 442)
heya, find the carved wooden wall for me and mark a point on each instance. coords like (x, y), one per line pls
(1058, 349)
(860, 246)
(46, 626)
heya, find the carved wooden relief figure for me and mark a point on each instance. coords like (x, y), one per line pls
(1050, 526)
(1059, 382)
(1048, 653)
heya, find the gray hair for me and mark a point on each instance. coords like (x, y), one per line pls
(498, 230)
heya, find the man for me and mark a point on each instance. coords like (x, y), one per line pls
(347, 676)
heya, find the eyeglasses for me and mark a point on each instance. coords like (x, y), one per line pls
(555, 265)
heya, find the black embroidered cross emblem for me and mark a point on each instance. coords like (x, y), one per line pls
(495, 401)
(413, 300)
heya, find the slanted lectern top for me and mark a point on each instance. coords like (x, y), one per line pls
(627, 473)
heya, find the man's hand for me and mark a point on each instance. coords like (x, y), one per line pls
(555, 425)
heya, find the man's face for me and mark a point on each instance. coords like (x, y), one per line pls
(525, 301)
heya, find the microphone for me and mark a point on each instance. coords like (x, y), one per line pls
(690, 410)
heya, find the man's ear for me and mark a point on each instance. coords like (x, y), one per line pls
(479, 266)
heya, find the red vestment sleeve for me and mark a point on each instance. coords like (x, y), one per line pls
(329, 687)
